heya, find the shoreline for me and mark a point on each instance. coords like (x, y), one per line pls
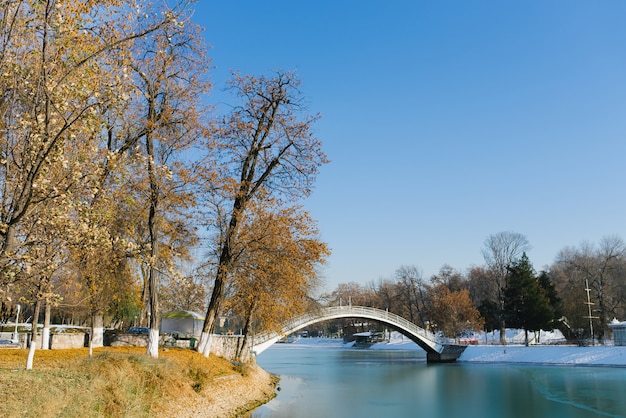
(231, 395)
(548, 355)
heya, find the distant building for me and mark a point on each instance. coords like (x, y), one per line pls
(619, 332)
(184, 323)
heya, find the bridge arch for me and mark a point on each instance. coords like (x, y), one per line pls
(437, 349)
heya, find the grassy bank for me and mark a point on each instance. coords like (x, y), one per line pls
(124, 382)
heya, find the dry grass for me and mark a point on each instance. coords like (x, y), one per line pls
(115, 382)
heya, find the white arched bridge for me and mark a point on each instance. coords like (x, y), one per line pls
(437, 349)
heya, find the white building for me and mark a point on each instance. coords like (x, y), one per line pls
(619, 332)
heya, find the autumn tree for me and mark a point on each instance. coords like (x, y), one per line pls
(275, 272)
(167, 69)
(50, 82)
(65, 69)
(500, 251)
(54, 73)
(45, 256)
(452, 312)
(265, 143)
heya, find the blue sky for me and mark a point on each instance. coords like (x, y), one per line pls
(446, 121)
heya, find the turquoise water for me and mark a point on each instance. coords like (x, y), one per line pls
(339, 382)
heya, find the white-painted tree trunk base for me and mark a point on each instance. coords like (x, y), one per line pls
(98, 331)
(45, 338)
(204, 345)
(31, 355)
(153, 343)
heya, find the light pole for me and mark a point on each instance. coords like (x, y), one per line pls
(17, 317)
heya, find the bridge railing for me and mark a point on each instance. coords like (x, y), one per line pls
(358, 311)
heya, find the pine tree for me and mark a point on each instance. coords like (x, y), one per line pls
(526, 303)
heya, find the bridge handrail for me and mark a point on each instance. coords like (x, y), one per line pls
(373, 313)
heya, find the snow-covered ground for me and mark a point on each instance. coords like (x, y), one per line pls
(514, 352)
(546, 354)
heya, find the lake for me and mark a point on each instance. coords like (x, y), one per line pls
(328, 380)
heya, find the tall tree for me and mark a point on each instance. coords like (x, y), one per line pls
(526, 303)
(412, 293)
(168, 66)
(501, 250)
(265, 143)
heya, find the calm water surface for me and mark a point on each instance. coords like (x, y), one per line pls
(328, 382)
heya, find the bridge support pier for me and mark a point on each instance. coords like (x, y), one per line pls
(448, 354)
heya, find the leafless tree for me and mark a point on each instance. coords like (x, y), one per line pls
(413, 293)
(500, 251)
(603, 269)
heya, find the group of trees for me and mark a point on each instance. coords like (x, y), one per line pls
(112, 168)
(507, 292)
(441, 304)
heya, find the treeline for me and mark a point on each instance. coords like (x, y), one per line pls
(507, 291)
(114, 167)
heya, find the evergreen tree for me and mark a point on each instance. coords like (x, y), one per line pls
(551, 293)
(526, 303)
(491, 315)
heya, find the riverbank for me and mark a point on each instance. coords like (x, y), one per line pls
(228, 396)
(123, 381)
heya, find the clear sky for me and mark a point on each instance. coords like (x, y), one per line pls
(446, 121)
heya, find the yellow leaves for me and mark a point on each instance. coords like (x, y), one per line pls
(453, 311)
(275, 270)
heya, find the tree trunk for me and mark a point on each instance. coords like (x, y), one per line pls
(204, 344)
(98, 330)
(96, 335)
(145, 299)
(502, 333)
(33, 336)
(8, 245)
(45, 335)
(153, 336)
(502, 322)
(245, 332)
